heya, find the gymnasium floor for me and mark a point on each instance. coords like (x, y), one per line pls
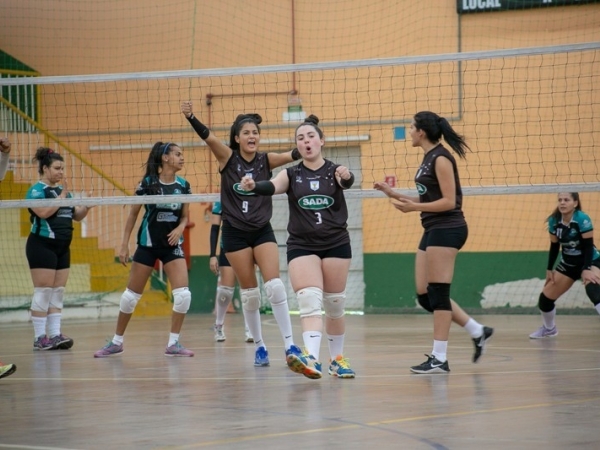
(522, 394)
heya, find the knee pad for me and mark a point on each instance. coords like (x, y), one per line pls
(423, 300)
(128, 301)
(251, 299)
(593, 292)
(275, 291)
(545, 304)
(41, 299)
(225, 294)
(334, 305)
(310, 300)
(56, 299)
(182, 299)
(439, 296)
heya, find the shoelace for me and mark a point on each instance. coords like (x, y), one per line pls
(343, 363)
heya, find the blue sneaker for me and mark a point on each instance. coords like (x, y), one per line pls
(303, 363)
(339, 368)
(261, 358)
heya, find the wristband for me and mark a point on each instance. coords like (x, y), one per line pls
(296, 154)
(347, 184)
(201, 129)
(264, 188)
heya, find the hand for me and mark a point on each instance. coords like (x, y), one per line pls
(248, 183)
(186, 108)
(4, 145)
(214, 265)
(343, 172)
(589, 276)
(403, 205)
(383, 187)
(65, 188)
(174, 237)
(124, 255)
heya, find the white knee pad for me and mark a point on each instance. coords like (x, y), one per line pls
(182, 299)
(128, 301)
(41, 299)
(56, 300)
(310, 301)
(251, 299)
(334, 305)
(225, 294)
(275, 291)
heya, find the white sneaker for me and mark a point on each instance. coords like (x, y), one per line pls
(248, 337)
(219, 335)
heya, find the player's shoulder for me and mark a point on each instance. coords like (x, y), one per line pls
(37, 190)
(582, 219)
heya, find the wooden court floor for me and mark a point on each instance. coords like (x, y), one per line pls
(522, 394)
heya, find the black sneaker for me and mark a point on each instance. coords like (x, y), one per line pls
(432, 365)
(480, 343)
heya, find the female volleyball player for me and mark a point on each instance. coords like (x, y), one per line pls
(48, 250)
(248, 237)
(226, 281)
(318, 247)
(159, 238)
(5, 369)
(440, 204)
(572, 231)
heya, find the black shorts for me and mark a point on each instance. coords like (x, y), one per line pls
(148, 255)
(573, 271)
(235, 239)
(223, 261)
(445, 237)
(46, 253)
(343, 251)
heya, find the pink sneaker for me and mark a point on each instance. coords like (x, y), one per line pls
(109, 349)
(42, 343)
(178, 350)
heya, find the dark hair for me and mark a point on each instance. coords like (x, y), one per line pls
(155, 162)
(45, 156)
(239, 122)
(557, 215)
(435, 127)
(313, 121)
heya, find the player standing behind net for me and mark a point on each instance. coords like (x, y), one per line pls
(159, 238)
(318, 247)
(440, 204)
(5, 369)
(570, 229)
(48, 250)
(248, 237)
(219, 265)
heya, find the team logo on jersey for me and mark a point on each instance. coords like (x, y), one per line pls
(237, 187)
(313, 202)
(314, 185)
(421, 189)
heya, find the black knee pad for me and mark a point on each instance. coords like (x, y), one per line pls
(423, 300)
(593, 292)
(439, 296)
(545, 304)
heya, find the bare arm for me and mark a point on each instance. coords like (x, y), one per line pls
(176, 234)
(4, 152)
(387, 190)
(81, 212)
(129, 224)
(281, 159)
(45, 212)
(281, 183)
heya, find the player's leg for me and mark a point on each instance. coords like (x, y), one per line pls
(176, 269)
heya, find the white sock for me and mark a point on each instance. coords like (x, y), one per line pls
(548, 319)
(474, 328)
(39, 326)
(53, 324)
(336, 345)
(173, 338)
(439, 350)
(597, 308)
(117, 339)
(312, 342)
(281, 311)
(252, 319)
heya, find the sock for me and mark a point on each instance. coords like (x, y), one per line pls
(312, 342)
(548, 319)
(118, 340)
(336, 345)
(39, 326)
(474, 328)
(439, 350)
(281, 311)
(53, 324)
(252, 319)
(173, 338)
(597, 308)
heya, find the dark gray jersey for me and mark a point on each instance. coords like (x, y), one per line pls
(318, 212)
(245, 210)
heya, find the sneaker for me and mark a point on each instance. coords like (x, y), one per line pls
(432, 365)
(543, 332)
(261, 358)
(339, 368)
(43, 343)
(303, 362)
(480, 343)
(248, 336)
(178, 350)
(7, 370)
(219, 335)
(62, 342)
(109, 349)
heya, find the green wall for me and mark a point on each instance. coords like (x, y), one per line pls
(203, 284)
